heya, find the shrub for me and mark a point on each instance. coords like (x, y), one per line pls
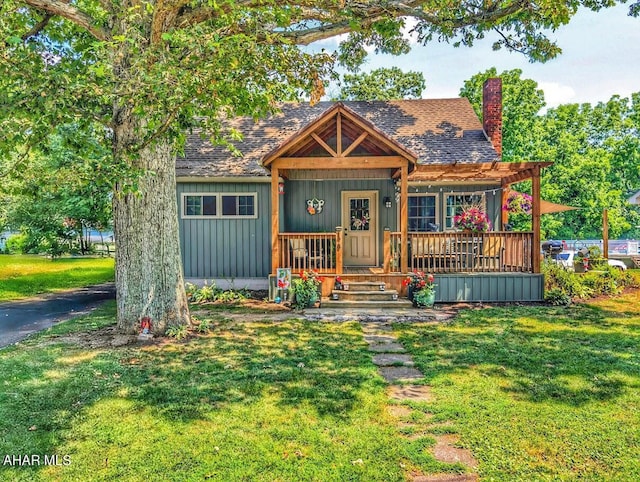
(557, 297)
(177, 331)
(17, 244)
(605, 281)
(206, 293)
(203, 326)
(191, 290)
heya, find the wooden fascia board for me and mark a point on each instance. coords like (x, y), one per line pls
(364, 162)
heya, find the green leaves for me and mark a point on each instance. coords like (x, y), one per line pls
(382, 84)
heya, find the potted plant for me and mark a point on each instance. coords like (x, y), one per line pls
(415, 282)
(306, 289)
(426, 295)
(472, 219)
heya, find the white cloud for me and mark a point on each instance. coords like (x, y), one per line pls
(556, 94)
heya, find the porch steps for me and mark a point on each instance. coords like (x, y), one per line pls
(365, 294)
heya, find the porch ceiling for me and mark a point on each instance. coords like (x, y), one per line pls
(502, 172)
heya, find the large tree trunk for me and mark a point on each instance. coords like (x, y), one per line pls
(149, 280)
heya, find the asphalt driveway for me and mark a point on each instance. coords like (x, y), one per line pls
(18, 319)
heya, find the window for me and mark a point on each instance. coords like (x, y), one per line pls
(456, 203)
(422, 212)
(199, 205)
(219, 205)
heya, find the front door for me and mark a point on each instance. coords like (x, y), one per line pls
(360, 222)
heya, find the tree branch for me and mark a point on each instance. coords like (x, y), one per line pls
(71, 13)
(38, 27)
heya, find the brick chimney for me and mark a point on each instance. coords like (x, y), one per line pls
(492, 111)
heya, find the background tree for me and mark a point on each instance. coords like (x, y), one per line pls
(382, 84)
(522, 101)
(594, 149)
(148, 71)
(61, 193)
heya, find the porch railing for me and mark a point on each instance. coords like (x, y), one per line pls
(304, 251)
(498, 251)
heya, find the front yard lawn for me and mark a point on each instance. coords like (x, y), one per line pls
(540, 393)
(537, 393)
(255, 401)
(23, 276)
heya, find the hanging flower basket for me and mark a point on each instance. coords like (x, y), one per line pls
(472, 220)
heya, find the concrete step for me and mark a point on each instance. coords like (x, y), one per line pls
(401, 303)
(364, 285)
(353, 295)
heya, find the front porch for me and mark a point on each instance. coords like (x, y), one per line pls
(481, 267)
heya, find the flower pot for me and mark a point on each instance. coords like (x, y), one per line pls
(431, 299)
(410, 292)
(312, 301)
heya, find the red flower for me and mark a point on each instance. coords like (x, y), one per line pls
(431, 279)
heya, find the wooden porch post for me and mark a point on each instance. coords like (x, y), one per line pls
(339, 248)
(275, 220)
(404, 213)
(386, 250)
(605, 233)
(504, 213)
(535, 192)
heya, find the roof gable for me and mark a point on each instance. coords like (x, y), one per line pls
(339, 132)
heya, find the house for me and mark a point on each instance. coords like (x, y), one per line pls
(364, 190)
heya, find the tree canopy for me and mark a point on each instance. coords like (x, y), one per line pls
(594, 149)
(382, 84)
(147, 72)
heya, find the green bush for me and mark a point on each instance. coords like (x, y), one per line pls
(560, 282)
(557, 297)
(17, 244)
(178, 331)
(206, 293)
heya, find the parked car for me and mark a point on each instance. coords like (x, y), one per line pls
(567, 259)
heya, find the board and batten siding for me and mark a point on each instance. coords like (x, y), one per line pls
(297, 219)
(489, 287)
(227, 248)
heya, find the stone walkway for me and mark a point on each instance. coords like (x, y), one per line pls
(397, 368)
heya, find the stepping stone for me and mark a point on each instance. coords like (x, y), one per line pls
(395, 374)
(446, 478)
(419, 393)
(386, 348)
(399, 411)
(392, 359)
(445, 451)
(380, 338)
(373, 328)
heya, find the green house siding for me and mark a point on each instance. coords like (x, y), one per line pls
(227, 248)
(241, 248)
(489, 287)
(297, 219)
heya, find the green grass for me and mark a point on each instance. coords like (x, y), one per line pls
(255, 401)
(537, 393)
(26, 276)
(540, 393)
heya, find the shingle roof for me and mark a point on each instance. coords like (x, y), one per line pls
(437, 130)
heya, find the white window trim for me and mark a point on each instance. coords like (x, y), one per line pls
(445, 205)
(218, 196)
(424, 194)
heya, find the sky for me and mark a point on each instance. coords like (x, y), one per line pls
(601, 58)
